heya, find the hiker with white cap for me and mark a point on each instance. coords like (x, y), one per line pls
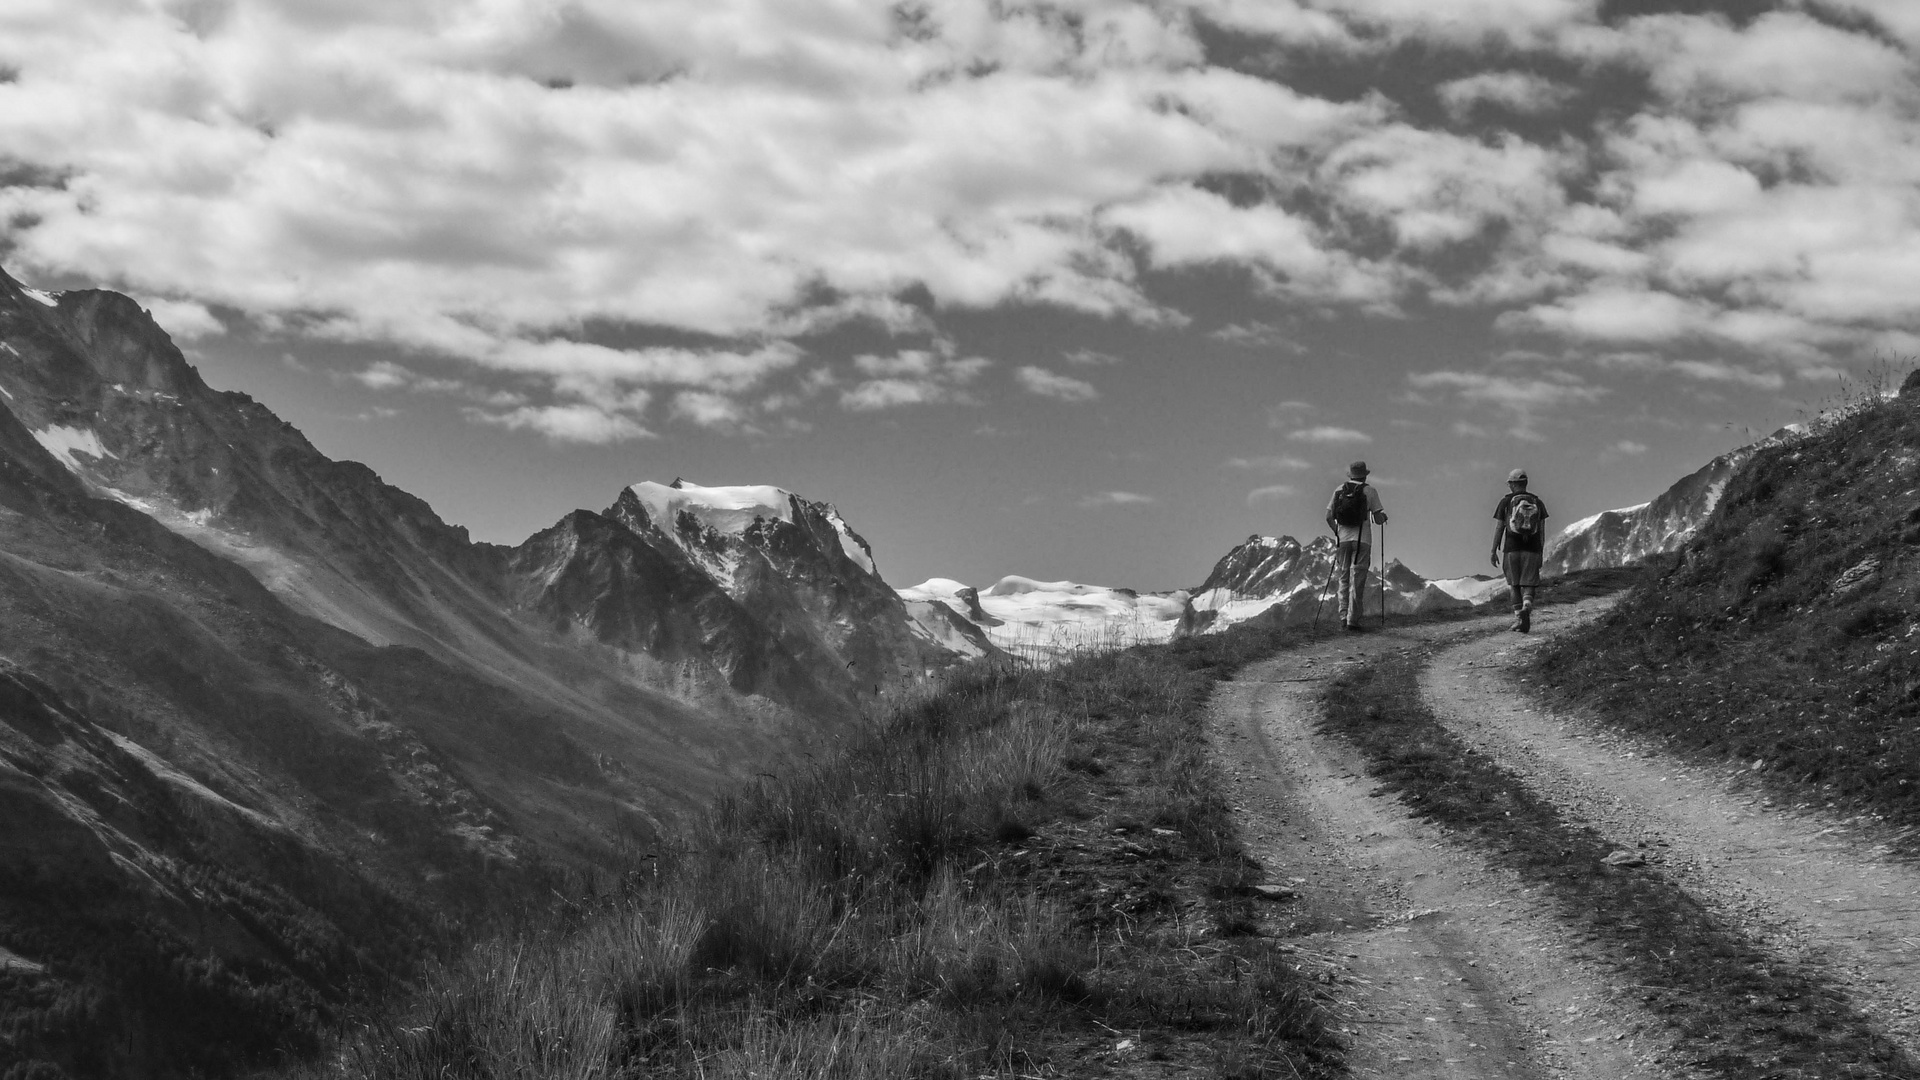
(1348, 513)
(1519, 539)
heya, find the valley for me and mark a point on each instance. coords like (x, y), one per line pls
(288, 762)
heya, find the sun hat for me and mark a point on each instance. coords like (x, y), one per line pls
(1357, 471)
(1517, 474)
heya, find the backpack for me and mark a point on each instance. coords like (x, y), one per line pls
(1350, 505)
(1523, 515)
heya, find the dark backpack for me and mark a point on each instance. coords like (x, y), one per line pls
(1523, 515)
(1350, 505)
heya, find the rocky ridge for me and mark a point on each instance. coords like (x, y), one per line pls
(1278, 580)
(1660, 526)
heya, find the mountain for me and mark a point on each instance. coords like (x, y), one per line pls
(1663, 525)
(1045, 620)
(1269, 578)
(1276, 579)
(269, 726)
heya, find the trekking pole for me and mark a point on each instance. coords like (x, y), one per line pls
(1383, 575)
(1333, 566)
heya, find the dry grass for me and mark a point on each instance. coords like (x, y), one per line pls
(959, 891)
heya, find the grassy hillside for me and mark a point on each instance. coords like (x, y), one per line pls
(1787, 636)
(1027, 868)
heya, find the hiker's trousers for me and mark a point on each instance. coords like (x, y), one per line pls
(1522, 570)
(1350, 562)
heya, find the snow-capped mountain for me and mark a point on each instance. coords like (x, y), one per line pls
(1664, 524)
(1277, 579)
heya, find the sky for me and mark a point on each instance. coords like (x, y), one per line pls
(1087, 289)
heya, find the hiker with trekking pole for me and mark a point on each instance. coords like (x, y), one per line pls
(1351, 515)
(1519, 543)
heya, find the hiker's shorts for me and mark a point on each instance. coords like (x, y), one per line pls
(1522, 569)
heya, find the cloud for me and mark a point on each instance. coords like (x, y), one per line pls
(1116, 498)
(932, 376)
(1721, 371)
(801, 161)
(1038, 380)
(1271, 492)
(1612, 313)
(566, 423)
(1515, 91)
(1522, 399)
(708, 410)
(1330, 435)
(1256, 335)
(1628, 448)
(383, 375)
(464, 188)
(1271, 463)
(1552, 391)
(1090, 358)
(183, 320)
(1283, 414)
(1434, 190)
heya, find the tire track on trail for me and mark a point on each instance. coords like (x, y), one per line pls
(1807, 886)
(1441, 965)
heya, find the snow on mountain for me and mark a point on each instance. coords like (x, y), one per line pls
(1045, 620)
(1276, 578)
(1663, 524)
(1273, 578)
(63, 442)
(1474, 589)
(731, 511)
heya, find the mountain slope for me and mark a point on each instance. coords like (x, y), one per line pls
(1784, 634)
(273, 720)
(1625, 536)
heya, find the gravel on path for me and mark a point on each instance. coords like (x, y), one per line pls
(1804, 884)
(1444, 967)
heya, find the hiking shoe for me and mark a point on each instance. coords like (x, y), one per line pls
(1519, 622)
(1525, 622)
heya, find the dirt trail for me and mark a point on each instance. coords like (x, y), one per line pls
(1805, 884)
(1447, 968)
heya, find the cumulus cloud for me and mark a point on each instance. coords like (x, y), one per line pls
(1038, 380)
(1255, 334)
(566, 423)
(480, 183)
(1090, 358)
(1721, 371)
(1116, 498)
(1329, 434)
(1522, 398)
(1287, 413)
(1271, 492)
(1270, 463)
(399, 171)
(708, 410)
(1515, 91)
(183, 320)
(913, 377)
